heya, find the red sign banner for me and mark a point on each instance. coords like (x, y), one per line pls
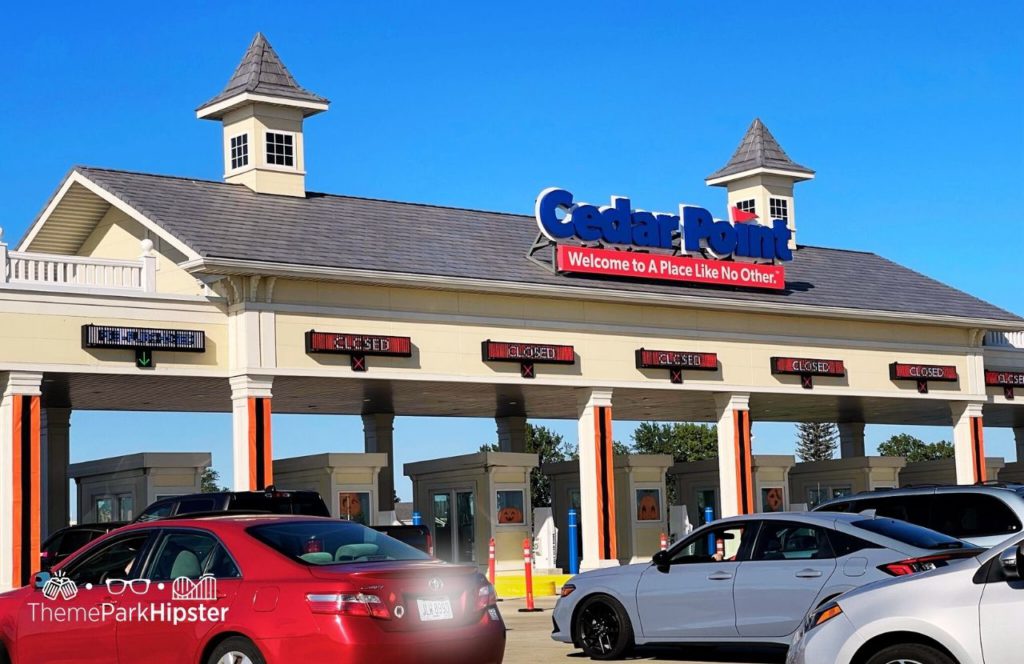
(671, 359)
(663, 267)
(1004, 378)
(357, 344)
(807, 367)
(504, 351)
(939, 372)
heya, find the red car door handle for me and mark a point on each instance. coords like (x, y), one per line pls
(808, 574)
(719, 576)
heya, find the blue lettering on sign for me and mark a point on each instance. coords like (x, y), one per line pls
(619, 224)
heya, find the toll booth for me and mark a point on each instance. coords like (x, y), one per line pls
(943, 471)
(696, 485)
(1012, 472)
(641, 512)
(118, 488)
(466, 500)
(346, 481)
(812, 483)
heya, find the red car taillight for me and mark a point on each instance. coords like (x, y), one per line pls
(430, 544)
(917, 565)
(486, 596)
(348, 604)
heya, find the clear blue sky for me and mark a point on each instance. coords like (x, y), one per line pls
(909, 111)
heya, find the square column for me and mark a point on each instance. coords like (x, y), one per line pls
(968, 442)
(20, 477)
(56, 456)
(851, 439)
(251, 440)
(379, 437)
(597, 479)
(734, 454)
(511, 433)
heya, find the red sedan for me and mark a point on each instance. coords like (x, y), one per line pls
(252, 590)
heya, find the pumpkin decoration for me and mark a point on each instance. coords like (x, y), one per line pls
(647, 509)
(351, 506)
(510, 515)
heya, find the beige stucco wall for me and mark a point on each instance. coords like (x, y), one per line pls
(118, 236)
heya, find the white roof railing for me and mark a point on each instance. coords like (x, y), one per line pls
(1005, 339)
(59, 272)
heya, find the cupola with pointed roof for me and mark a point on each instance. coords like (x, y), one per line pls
(262, 109)
(759, 178)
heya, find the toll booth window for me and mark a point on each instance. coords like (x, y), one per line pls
(772, 499)
(354, 506)
(125, 507)
(104, 509)
(648, 505)
(511, 508)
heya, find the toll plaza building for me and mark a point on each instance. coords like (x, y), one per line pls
(135, 291)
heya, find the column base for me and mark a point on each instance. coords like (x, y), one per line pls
(589, 565)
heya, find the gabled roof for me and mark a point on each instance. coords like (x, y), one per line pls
(261, 72)
(325, 234)
(759, 149)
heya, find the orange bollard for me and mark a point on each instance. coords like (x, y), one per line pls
(528, 563)
(664, 542)
(490, 562)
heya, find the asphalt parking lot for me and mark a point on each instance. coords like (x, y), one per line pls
(529, 642)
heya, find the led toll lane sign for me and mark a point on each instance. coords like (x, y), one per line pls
(143, 340)
(922, 373)
(807, 368)
(675, 361)
(357, 346)
(1006, 380)
(751, 247)
(527, 355)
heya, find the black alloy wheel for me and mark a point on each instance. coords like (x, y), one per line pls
(603, 629)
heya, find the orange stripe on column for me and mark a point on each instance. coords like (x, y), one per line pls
(35, 499)
(17, 541)
(252, 443)
(978, 449)
(268, 464)
(600, 462)
(609, 467)
(744, 484)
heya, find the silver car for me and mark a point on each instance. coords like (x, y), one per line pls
(744, 579)
(967, 613)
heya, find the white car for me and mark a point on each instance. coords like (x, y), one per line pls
(965, 613)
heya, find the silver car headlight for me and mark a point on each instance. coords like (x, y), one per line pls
(822, 615)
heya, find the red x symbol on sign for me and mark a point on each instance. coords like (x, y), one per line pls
(675, 375)
(1008, 391)
(922, 386)
(526, 370)
(358, 362)
(807, 381)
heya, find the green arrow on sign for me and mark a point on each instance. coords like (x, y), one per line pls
(144, 358)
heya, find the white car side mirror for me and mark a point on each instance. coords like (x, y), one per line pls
(1010, 562)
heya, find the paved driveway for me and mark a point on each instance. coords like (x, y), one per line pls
(529, 642)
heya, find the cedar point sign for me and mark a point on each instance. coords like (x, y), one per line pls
(742, 254)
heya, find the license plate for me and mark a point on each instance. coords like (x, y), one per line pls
(435, 609)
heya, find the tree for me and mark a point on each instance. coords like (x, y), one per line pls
(685, 441)
(210, 482)
(550, 447)
(915, 449)
(816, 441)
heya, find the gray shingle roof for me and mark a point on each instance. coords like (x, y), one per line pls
(220, 220)
(262, 72)
(758, 149)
